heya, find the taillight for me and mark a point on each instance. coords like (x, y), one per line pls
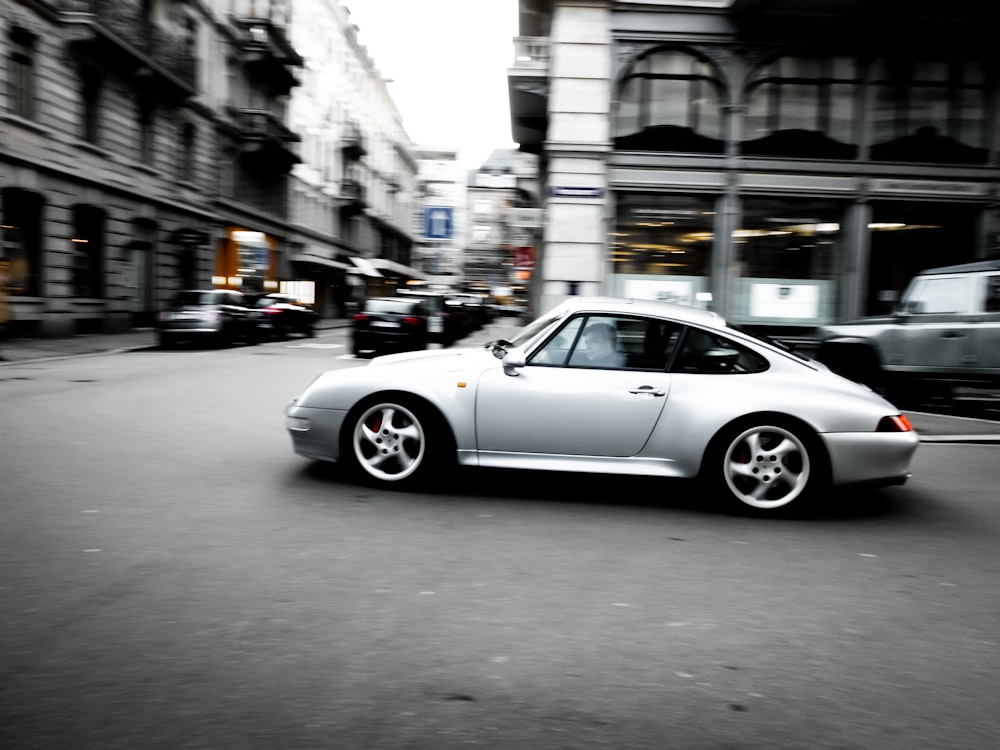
(896, 423)
(361, 317)
(272, 310)
(411, 320)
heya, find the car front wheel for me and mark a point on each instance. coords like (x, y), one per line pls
(393, 441)
(766, 467)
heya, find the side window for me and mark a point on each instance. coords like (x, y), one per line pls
(992, 303)
(705, 352)
(556, 349)
(939, 296)
(598, 345)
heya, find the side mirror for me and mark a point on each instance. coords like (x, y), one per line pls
(513, 360)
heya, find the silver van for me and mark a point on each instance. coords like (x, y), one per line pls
(944, 332)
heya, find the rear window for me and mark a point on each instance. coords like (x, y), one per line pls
(191, 298)
(395, 306)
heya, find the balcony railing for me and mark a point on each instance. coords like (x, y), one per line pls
(353, 144)
(531, 53)
(125, 22)
(262, 124)
(352, 197)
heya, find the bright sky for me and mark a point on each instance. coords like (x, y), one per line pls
(448, 61)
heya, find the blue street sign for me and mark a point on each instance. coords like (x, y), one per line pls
(438, 222)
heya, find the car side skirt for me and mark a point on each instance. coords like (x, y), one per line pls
(639, 466)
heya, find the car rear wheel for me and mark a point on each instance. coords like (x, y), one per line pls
(766, 467)
(391, 440)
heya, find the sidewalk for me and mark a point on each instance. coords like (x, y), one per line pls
(933, 428)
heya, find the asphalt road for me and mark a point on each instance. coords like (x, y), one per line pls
(174, 577)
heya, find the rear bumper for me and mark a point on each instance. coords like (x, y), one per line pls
(871, 458)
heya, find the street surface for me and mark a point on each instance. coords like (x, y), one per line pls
(173, 576)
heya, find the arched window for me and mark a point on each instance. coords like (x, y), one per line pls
(803, 107)
(930, 112)
(669, 101)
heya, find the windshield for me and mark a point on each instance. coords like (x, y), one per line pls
(533, 329)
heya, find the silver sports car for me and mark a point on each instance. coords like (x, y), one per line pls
(612, 386)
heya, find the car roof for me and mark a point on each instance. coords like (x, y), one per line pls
(628, 305)
(980, 265)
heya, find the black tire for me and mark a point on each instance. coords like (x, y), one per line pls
(167, 341)
(766, 466)
(396, 441)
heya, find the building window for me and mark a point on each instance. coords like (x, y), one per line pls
(21, 84)
(803, 107)
(930, 112)
(21, 237)
(186, 160)
(669, 101)
(145, 123)
(87, 248)
(92, 81)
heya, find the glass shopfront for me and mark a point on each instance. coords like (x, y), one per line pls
(661, 247)
(785, 255)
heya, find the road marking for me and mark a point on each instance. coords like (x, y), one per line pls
(315, 346)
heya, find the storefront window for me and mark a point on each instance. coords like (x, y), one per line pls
(20, 233)
(786, 255)
(661, 247)
(87, 247)
(907, 238)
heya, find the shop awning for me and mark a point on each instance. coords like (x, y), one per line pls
(365, 267)
(398, 268)
(317, 260)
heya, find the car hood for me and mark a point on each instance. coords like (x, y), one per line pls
(446, 359)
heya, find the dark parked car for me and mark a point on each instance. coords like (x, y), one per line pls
(395, 324)
(278, 315)
(219, 316)
(449, 320)
(476, 306)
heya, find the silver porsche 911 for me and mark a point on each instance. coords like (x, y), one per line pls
(613, 386)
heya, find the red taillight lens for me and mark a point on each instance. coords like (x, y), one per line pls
(896, 423)
(272, 310)
(360, 317)
(411, 320)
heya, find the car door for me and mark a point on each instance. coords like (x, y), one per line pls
(552, 407)
(934, 332)
(985, 331)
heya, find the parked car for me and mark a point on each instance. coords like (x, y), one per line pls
(944, 332)
(477, 307)
(687, 397)
(277, 315)
(219, 316)
(393, 324)
(448, 321)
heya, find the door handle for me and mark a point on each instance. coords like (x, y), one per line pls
(648, 390)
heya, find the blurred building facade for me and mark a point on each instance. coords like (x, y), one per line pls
(439, 215)
(152, 145)
(786, 163)
(503, 224)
